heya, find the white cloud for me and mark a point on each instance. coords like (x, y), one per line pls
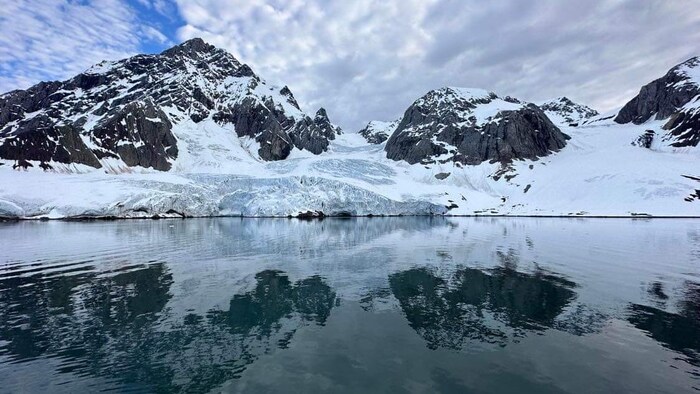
(163, 7)
(55, 39)
(366, 59)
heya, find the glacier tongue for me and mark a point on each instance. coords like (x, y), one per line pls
(199, 195)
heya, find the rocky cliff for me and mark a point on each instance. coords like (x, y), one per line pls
(675, 98)
(471, 126)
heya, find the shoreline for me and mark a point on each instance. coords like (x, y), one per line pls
(324, 217)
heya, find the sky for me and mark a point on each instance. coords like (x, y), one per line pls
(366, 59)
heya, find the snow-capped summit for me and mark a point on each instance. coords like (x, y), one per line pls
(470, 126)
(674, 98)
(150, 111)
(376, 132)
(564, 112)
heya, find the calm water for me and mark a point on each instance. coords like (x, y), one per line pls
(355, 305)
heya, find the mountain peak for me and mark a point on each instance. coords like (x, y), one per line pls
(455, 97)
(565, 100)
(663, 97)
(135, 110)
(321, 113)
(692, 62)
(468, 93)
(190, 47)
(470, 126)
(565, 112)
(376, 132)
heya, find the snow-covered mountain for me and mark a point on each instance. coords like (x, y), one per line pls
(470, 126)
(674, 99)
(151, 110)
(376, 132)
(194, 132)
(564, 112)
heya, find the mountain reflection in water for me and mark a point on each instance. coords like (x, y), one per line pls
(111, 326)
(473, 305)
(352, 305)
(679, 331)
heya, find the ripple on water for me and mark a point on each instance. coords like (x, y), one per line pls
(212, 304)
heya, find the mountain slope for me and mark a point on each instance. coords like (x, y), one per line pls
(470, 126)
(564, 112)
(129, 113)
(100, 143)
(673, 98)
(376, 132)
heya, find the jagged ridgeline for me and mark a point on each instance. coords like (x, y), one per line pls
(133, 112)
(471, 126)
(565, 112)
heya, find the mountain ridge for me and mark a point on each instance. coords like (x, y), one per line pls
(195, 132)
(564, 111)
(69, 121)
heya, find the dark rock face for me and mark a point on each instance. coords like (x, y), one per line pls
(674, 97)
(470, 127)
(314, 134)
(374, 138)
(684, 127)
(645, 140)
(254, 119)
(127, 110)
(140, 134)
(290, 97)
(41, 140)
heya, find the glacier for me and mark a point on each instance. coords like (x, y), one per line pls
(599, 173)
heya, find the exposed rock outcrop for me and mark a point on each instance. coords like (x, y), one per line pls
(140, 134)
(470, 126)
(645, 140)
(315, 135)
(675, 97)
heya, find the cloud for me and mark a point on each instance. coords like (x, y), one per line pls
(163, 7)
(56, 39)
(366, 59)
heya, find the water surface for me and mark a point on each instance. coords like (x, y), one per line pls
(351, 305)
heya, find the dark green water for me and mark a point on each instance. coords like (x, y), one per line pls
(355, 305)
